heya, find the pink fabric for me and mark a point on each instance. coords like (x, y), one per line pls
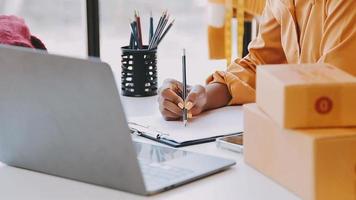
(14, 31)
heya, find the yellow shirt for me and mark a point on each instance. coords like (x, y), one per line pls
(295, 31)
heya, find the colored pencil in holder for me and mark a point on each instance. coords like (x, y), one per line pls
(151, 28)
(157, 29)
(165, 33)
(155, 35)
(139, 31)
(134, 32)
(160, 31)
(132, 42)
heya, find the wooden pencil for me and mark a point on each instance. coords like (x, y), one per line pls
(184, 92)
(139, 31)
(165, 32)
(157, 29)
(134, 31)
(151, 28)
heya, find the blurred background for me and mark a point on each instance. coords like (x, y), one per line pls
(61, 24)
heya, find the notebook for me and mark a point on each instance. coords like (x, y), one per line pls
(203, 128)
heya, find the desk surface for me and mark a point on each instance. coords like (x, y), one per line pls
(239, 182)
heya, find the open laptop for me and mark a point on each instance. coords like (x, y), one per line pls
(63, 116)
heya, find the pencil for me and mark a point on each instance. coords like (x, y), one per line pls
(165, 32)
(161, 19)
(138, 23)
(132, 42)
(156, 34)
(184, 95)
(164, 23)
(134, 31)
(151, 28)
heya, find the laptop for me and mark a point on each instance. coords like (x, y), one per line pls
(63, 116)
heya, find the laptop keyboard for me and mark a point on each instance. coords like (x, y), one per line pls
(159, 174)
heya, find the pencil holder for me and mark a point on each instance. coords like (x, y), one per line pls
(139, 72)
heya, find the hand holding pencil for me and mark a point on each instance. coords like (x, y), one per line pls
(171, 103)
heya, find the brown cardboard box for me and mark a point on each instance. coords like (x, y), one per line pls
(307, 96)
(315, 164)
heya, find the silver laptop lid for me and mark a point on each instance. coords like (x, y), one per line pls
(63, 116)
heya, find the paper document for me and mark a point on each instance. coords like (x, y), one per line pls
(219, 122)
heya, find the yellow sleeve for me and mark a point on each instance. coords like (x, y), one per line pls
(265, 49)
(338, 44)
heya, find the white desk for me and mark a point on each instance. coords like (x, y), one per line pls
(239, 182)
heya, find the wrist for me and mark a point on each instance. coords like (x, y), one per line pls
(217, 95)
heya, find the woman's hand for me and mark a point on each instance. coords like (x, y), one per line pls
(171, 102)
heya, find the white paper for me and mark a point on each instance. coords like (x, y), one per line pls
(218, 122)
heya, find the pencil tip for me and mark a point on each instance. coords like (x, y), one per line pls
(184, 51)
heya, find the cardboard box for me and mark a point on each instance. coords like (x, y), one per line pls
(315, 164)
(306, 96)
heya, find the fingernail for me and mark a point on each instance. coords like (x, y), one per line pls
(189, 105)
(190, 115)
(180, 105)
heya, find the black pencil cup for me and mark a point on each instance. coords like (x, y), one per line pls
(139, 72)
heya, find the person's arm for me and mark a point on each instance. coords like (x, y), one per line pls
(236, 85)
(338, 44)
(217, 96)
(239, 78)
